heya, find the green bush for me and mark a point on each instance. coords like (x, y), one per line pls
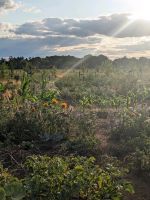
(131, 133)
(42, 121)
(139, 161)
(72, 178)
(11, 188)
(132, 142)
(34, 122)
(84, 145)
(66, 178)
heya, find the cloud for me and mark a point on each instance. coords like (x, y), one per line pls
(6, 5)
(6, 30)
(114, 35)
(32, 46)
(116, 25)
(31, 10)
(5, 26)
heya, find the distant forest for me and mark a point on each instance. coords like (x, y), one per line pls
(61, 62)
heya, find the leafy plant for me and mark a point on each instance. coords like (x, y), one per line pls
(25, 86)
(11, 188)
(2, 87)
(72, 177)
(84, 145)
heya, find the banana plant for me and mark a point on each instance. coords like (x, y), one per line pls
(25, 86)
(2, 87)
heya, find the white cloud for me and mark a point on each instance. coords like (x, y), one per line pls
(6, 5)
(116, 25)
(79, 37)
(6, 30)
(31, 10)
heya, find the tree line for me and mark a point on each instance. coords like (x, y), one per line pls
(61, 62)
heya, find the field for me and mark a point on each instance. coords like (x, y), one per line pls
(75, 134)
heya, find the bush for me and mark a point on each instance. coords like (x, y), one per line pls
(72, 178)
(130, 134)
(84, 145)
(34, 122)
(132, 142)
(11, 188)
(139, 161)
(67, 178)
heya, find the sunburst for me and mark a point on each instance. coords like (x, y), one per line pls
(139, 8)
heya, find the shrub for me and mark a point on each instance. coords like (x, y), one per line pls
(139, 161)
(11, 188)
(72, 178)
(130, 134)
(66, 178)
(132, 142)
(34, 122)
(84, 145)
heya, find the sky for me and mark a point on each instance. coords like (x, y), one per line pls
(115, 28)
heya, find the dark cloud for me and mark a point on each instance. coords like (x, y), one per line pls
(117, 25)
(37, 46)
(112, 34)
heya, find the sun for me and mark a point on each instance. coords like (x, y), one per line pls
(140, 8)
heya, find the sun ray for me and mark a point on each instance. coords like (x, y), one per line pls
(122, 28)
(72, 68)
